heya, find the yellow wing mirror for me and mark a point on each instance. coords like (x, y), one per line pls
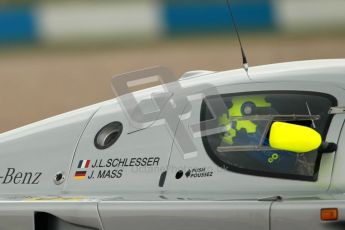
(294, 138)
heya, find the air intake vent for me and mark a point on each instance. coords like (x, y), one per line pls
(46, 221)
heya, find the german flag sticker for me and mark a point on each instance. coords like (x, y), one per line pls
(80, 175)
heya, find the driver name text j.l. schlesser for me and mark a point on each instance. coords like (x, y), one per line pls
(126, 162)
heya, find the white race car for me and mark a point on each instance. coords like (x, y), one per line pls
(263, 149)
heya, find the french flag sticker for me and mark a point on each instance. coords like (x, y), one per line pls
(83, 164)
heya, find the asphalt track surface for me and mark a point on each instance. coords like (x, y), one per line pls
(36, 83)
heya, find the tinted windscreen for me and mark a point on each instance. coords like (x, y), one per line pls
(243, 146)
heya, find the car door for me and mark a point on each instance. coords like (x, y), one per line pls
(111, 157)
(230, 172)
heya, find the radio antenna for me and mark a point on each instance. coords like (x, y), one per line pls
(244, 57)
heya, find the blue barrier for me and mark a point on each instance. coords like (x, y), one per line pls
(17, 24)
(201, 16)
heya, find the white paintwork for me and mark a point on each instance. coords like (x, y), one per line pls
(225, 201)
(59, 143)
(47, 147)
(195, 73)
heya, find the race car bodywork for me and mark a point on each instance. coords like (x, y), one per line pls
(202, 159)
